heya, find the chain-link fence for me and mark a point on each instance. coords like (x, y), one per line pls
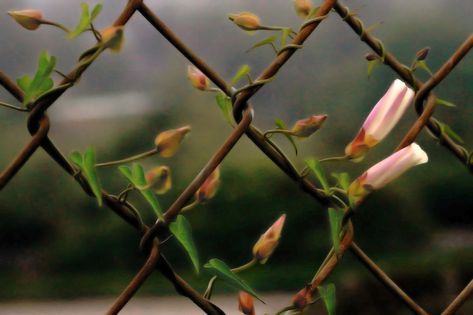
(425, 101)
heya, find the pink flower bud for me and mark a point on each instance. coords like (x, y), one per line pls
(268, 242)
(423, 53)
(29, 19)
(303, 7)
(305, 127)
(371, 56)
(245, 303)
(167, 142)
(381, 120)
(197, 78)
(387, 170)
(302, 298)
(209, 188)
(246, 20)
(113, 38)
(159, 179)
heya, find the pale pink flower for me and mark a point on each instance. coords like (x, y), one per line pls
(382, 119)
(29, 19)
(387, 170)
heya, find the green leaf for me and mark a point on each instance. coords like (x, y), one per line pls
(24, 83)
(445, 102)
(327, 293)
(422, 64)
(136, 177)
(316, 167)
(225, 105)
(41, 82)
(86, 164)
(335, 217)
(95, 12)
(91, 174)
(312, 12)
(220, 269)
(84, 21)
(449, 132)
(244, 70)
(281, 125)
(264, 42)
(371, 66)
(343, 180)
(284, 35)
(76, 158)
(182, 230)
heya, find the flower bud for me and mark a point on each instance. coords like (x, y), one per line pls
(371, 56)
(302, 298)
(381, 120)
(305, 127)
(245, 303)
(246, 20)
(422, 54)
(386, 171)
(209, 188)
(303, 7)
(113, 38)
(159, 179)
(29, 19)
(197, 78)
(268, 242)
(167, 142)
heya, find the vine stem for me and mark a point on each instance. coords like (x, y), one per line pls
(17, 108)
(129, 159)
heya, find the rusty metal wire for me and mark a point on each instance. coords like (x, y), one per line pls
(38, 126)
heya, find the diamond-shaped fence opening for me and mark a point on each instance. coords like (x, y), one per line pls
(38, 125)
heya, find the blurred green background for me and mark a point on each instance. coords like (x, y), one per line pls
(56, 243)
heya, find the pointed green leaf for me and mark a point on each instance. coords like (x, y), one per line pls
(281, 125)
(316, 167)
(84, 22)
(76, 158)
(244, 70)
(422, 64)
(95, 12)
(91, 174)
(264, 42)
(225, 105)
(327, 293)
(449, 132)
(445, 102)
(335, 218)
(220, 269)
(24, 82)
(284, 35)
(136, 177)
(182, 230)
(343, 180)
(371, 66)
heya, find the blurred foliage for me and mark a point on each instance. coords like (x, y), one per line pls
(56, 242)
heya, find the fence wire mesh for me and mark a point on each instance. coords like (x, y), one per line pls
(425, 100)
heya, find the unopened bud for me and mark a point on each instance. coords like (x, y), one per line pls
(423, 53)
(246, 20)
(159, 179)
(209, 188)
(305, 127)
(268, 242)
(303, 7)
(197, 78)
(167, 142)
(245, 303)
(302, 298)
(29, 19)
(113, 38)
(371, 56)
